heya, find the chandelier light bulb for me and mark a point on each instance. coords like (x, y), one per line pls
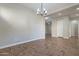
(37, 13)
(44, 9)
(38, 10)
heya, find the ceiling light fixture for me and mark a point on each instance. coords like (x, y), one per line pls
(59, 14)
(77, 8)
(41, 11)
(74, 21)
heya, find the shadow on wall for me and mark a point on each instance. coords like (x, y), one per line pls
(8, 33)
(5, 29)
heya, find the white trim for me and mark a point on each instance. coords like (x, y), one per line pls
(62, 9)
(66, 37)
(17, 43)
(61, 37)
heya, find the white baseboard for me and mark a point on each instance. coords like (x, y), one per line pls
(66, 37)
(17, 43)
(61, 37)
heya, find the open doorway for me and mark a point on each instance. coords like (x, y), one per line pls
(48, 29)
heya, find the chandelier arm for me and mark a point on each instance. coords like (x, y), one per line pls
(42, 12)
(41, 7)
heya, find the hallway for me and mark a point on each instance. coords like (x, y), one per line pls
(48, 47)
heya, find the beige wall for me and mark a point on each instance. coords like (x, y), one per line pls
(18, 24)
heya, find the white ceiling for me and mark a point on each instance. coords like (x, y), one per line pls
(66, 9)
(51, 7)
(70, 12)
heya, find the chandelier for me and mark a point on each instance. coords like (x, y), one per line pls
(41, 11)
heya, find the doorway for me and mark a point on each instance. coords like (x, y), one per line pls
(48, 29)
